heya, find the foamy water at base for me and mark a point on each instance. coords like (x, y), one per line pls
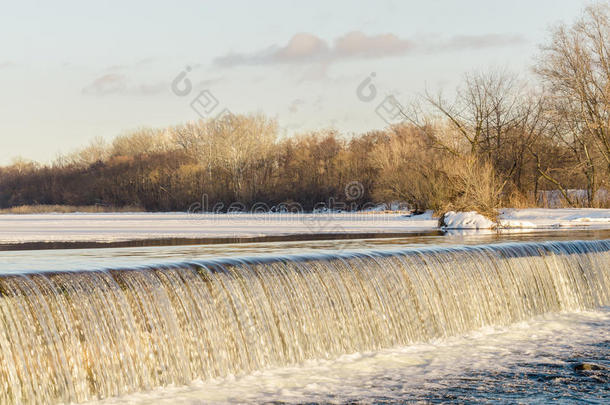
(528, 362)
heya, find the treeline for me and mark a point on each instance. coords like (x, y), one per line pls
(500, 141)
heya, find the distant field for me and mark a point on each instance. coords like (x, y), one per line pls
(66, 209)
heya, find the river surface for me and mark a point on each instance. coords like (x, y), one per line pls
(101, 258)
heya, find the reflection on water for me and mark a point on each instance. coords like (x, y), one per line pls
(85, 259)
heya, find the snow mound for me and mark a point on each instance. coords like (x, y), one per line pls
(465, 220)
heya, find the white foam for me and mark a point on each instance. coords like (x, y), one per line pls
(397, 372)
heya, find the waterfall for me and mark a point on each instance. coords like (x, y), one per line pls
(76, 336)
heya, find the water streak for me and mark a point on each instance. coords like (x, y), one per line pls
(75, 336)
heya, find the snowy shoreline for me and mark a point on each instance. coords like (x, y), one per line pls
(110, 227)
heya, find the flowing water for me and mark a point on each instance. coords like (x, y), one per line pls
(535, 361)
(71, 336)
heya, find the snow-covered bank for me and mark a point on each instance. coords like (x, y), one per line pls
(139, 226)
(554, 217)
(528, 218)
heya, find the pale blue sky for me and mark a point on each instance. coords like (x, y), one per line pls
(74, 70)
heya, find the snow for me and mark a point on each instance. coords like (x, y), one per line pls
(515, 224)
(466, 220)
(428, 215)
(112, 227)
(546, 218)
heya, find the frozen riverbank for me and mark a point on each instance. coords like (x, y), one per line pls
(113, 227)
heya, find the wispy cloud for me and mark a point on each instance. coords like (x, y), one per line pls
(115, 83)
(308, 48)
(461, 42)
(111, 83)
(356, 44)
(302, 47)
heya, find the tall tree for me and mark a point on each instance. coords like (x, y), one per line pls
(575, 67)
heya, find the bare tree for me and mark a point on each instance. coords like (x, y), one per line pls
(96, 151)
(484, 110)
(238, 144)
(575, 67)
(140, 141)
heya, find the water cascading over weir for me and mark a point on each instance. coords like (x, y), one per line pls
(75, 336)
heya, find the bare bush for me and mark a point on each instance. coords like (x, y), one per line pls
(428, 178)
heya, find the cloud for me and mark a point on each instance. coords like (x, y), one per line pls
(357, 44)
(115, 83)
(462, 42)
(301, 47)
(308, 48)
(305, 47)
(111, 83)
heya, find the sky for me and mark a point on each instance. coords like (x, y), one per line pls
(71, 71)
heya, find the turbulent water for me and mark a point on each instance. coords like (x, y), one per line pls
(76, 336)
(534, 362)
